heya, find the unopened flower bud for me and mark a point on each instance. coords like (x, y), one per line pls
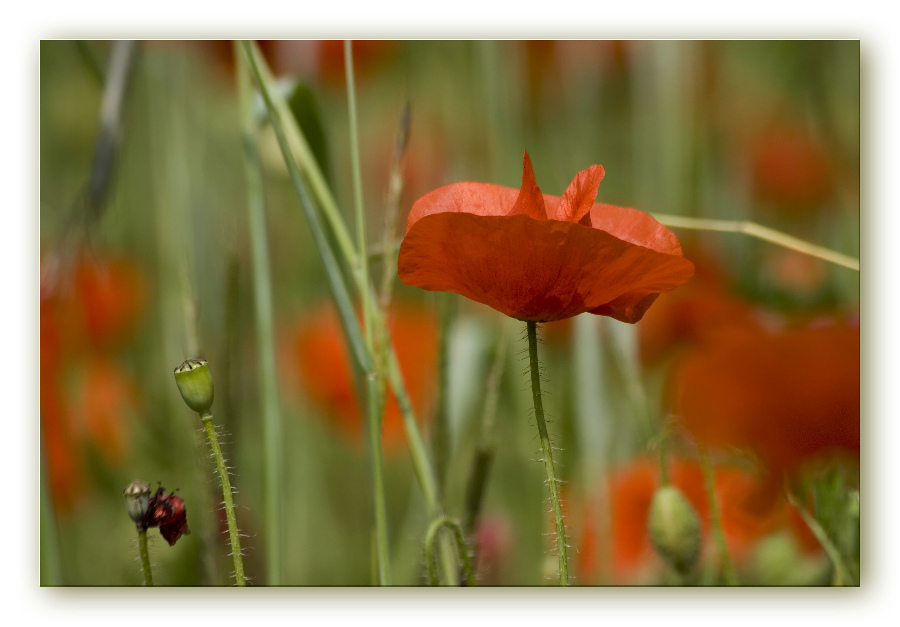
(674, 529)
(195, 384)
(137, 500)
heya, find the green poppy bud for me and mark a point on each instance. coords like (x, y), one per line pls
(674, 529)
(195, 384)
(137, 500)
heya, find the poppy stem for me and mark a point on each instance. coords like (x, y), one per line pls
(430, 558)
(547, 449)
(716, 518)
(145, 556)
(233, 533)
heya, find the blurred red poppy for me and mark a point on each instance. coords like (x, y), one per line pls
(751, 507)
(787, 395)
(687, 315)
(320, 353)
(791, 171)
(84, 394)
(540, 258)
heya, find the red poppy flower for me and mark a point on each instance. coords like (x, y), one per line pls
(537, 257)
(320, 353)
(788, 396)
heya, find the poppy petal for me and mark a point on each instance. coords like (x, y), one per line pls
(634, 226)
(532, 270)
(578, 199)
(480, 199)
(629, 307)
(530, 201)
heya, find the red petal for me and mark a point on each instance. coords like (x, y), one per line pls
(530, 201)
(578, 198)
(532, 270)
(481, 199)
(636, 227)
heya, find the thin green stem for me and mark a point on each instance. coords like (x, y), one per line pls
(288, 134)
(233, 533)
(374, 385)
(145, 556)
(462, 549)
(716, 518)
(760, 232)
(339, 291)
(391, 211)
(547, 449)
(842, 575)
(441, 437)
(278, 107)
(381, 541)
(273, 468)
(362, 258)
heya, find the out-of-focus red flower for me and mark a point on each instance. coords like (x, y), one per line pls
(751, 507)
(790, 170)
(100, 401)
(540, 258)
(326, 372)
(111, 298)
(84, 395)
(685, 316)
(787, 395)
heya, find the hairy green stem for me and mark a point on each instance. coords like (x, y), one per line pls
(233, 533)
(430, 537)
(716, 518)
(145, 556)
(273, 467)
(547, 449)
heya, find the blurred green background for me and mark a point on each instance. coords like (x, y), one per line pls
(748, 130)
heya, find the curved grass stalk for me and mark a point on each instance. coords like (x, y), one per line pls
(842, 575)
(462, 549)
(760, 232)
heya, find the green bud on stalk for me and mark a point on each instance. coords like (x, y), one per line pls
(137, 500)
(195, 384)
(674, 529)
